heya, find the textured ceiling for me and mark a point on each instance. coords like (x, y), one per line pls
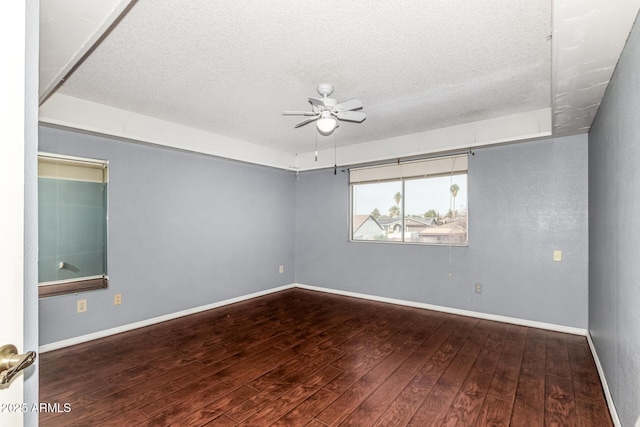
(231, 67)
(215, 76)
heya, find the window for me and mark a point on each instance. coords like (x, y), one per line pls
(414, 202)
(72, 224)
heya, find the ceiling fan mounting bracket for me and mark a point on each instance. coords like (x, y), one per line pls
(325, 89)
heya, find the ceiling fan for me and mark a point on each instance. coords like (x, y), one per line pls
(326, 110)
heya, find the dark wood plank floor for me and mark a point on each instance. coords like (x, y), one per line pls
(299, 357)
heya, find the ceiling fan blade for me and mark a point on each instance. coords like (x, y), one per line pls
(351, 116)
(298, 113)
(304, 122)
(352, 104)
(318, 102)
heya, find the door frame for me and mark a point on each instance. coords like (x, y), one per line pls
(19, 34)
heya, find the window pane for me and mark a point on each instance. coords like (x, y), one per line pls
(436, 210)
(72, 229)
(377, 211)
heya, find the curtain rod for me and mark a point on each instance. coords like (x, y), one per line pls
(408, 159)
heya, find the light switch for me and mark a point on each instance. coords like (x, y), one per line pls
(557, 256)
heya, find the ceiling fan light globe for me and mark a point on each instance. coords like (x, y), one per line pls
(326, 125)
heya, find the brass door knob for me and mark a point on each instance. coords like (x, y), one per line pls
(11, 362)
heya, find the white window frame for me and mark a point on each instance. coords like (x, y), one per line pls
(449, 165)
(81, 169)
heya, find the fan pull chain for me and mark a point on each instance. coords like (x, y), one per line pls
(335, 155)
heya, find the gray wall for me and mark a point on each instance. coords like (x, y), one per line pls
(614, 231)
(185, 230)
(525, 201)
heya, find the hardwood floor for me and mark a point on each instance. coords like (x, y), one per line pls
(300, 357)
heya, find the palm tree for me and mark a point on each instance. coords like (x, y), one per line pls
(394, 211)
(375, 213)
(397, 198)
(454, 192)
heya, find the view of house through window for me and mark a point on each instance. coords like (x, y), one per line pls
(419, 202)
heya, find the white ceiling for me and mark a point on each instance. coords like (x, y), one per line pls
(215, 76)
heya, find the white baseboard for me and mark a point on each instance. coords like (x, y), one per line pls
(477, 314)
(605, 386)
(124, 328)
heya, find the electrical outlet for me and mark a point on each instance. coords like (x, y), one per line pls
(81, 306)
(478, 288)
(117, 299)
(281, 269)
(557, 256)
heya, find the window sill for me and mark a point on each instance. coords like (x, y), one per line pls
(65, 288)
(398, 242)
